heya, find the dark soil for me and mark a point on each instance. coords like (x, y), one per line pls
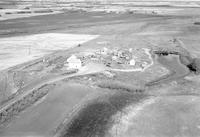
(96, 117)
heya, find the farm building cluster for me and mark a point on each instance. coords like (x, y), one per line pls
(113, 58)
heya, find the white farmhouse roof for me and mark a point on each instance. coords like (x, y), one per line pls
(73, 58)
(74, 62)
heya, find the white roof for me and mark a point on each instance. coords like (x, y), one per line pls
(132, 62)
(73, 59)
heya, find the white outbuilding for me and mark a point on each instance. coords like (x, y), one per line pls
(114, 58)
(73, 62)
(104, 51)
(132, 62)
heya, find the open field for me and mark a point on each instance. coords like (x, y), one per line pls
(17, 50)
(42, 96)
(24, 8)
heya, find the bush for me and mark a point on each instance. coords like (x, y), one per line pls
(7, 13)
(196, 23)
(23, 12)
(116, 85)
(194, 66)
(197, 65)
(43, 11)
